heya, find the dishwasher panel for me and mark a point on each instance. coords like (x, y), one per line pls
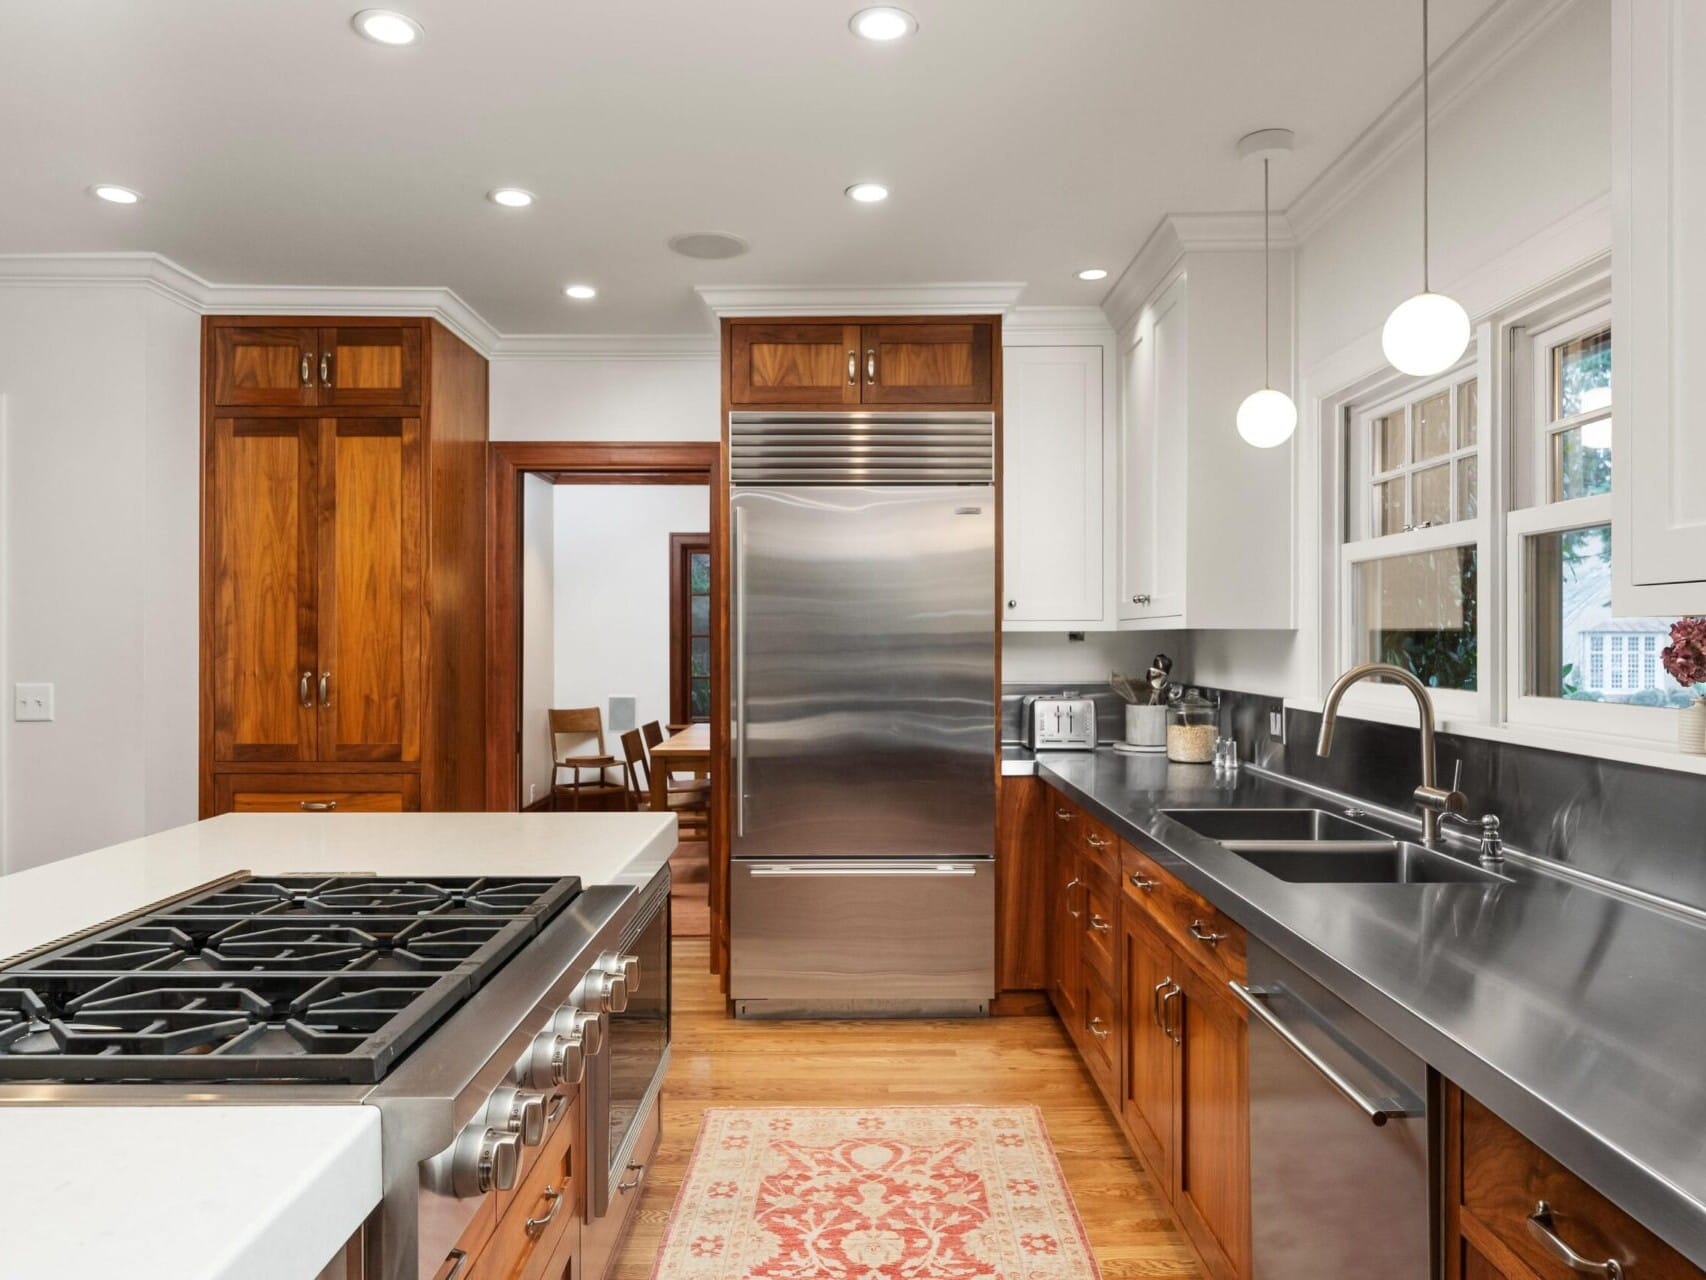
(1340, 1179)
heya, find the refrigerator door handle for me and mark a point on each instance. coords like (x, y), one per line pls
(737, 621)
(866, 869)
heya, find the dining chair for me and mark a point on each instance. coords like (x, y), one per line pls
(577, 745)
(653, 732)
(692, 810)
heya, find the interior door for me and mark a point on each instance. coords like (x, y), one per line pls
(793, 364)
(1147, 1085)
(368, 685)
(928, 363)
(370, 365)
(259, 604)
(864, 672)
(272, 365)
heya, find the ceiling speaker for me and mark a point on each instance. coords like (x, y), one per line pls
(708, 244)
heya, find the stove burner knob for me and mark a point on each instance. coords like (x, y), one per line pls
(602, 992)
(485, 1159)
(578, 1026)
(551, 1061)
(518, 1111)
(626, 966)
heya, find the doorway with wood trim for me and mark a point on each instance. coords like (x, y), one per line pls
(623, 557)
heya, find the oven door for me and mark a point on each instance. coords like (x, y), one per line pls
(629, 1073)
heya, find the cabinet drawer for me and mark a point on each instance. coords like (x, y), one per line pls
(1100, 924)
(538, 1212)
(1205, 935)
(1504, 1179)
(1099, 1039)
(316, 793)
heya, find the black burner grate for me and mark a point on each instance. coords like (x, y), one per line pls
(370, 895)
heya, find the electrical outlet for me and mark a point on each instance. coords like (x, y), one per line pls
(32, 702)
(1276, 724)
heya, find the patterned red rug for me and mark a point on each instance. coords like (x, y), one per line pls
(896, 1193)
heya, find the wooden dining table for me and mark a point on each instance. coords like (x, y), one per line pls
(688, 751)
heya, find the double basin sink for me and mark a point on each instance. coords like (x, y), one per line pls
(1312, 846)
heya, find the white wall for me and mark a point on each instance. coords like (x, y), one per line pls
(612, 598)
(100, 545)
(538, 632)
(1524, 150)
(1042, 657)
(621, 399)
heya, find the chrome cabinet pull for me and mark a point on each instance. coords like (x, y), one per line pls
(325, 688)
(1543, 1229)
(325, 368)
(1070, 886)
(307, 369)
(871, 365)
(737, 695)
(1140, 599)
(1202, 933)
(319, 806)
(1095, 841)
(1143, 882)
(1065, 815)
(1173, 992)
(628, 1184)
(451, 1267)
(1155, 1004)
(535, 1227)
(852, 368)
(1098, 924)
(1095, 1029)
(305, 690)
(1379, 1110)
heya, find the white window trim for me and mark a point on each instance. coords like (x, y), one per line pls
(1533, 368)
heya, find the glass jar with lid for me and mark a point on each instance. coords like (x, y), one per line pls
(1191, 729)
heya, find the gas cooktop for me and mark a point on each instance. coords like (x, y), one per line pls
(295, 978)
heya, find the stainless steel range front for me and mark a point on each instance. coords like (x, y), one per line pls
(472, 1012)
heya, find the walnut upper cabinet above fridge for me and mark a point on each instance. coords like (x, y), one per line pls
(833, 363)
(267, 366)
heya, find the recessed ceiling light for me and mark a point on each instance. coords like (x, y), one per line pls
(581, 292)
(883, 22)
(114, 195)
(1092, 273)
(868, 192)
(386, 26)
(510, 197)
(709, 245)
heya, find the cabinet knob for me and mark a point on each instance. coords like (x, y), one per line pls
(1140, 599)
(1012, 604)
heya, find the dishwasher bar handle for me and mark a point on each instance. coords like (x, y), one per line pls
(868, 869)
(1379, 1110)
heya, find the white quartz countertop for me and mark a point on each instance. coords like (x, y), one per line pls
(199, 1192)
(50, 902)
(184, 1193)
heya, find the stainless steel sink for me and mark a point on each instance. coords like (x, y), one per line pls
(1312, 846)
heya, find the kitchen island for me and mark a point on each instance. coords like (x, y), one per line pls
(250, 1191)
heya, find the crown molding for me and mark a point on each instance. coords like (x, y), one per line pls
(1498, 36)
(1178, 234)
(973, 298)
(149, 271)
(1045, 325)
(604, 347)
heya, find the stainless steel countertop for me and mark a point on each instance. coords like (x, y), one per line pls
(1578, 1016)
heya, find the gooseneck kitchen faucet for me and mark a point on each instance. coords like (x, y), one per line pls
(1432, 799)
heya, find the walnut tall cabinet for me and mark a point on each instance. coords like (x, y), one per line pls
(343, 566)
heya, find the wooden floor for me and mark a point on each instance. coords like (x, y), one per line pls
(689, 890)
(720, 1062)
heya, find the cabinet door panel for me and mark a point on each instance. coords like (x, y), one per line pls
(370, 365)
(1099, 1035)
(260, 589)
(1147, 1084)
(264, 366)
(1212, 1157)
(1152, 533)
(1067, 916)
(793, 364)
(1051, 430)
(369, 687)
(928, 363)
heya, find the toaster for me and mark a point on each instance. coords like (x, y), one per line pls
(1063, 724)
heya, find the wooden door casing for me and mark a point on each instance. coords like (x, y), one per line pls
(369, 365)
(260, 610)
(265, 365)
(793, 364)
(1211, 1155)
(368, 685)
(941, 363)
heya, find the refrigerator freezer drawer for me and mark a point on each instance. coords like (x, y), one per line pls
(853, 936)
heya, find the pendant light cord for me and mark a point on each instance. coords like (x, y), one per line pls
(1267, 274)
(1426, 288)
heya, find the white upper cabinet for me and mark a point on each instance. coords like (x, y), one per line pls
(1659, 306)
(1052, 489)
(1206, 521)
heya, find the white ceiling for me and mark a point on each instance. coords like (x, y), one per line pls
(1022, 139)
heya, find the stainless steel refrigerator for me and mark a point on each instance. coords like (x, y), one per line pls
(863, 741)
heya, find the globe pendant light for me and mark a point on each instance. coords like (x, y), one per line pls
(1267, 417)
(1425, 334)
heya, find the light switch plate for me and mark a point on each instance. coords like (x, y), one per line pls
(1276, 724)
(32, 702)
